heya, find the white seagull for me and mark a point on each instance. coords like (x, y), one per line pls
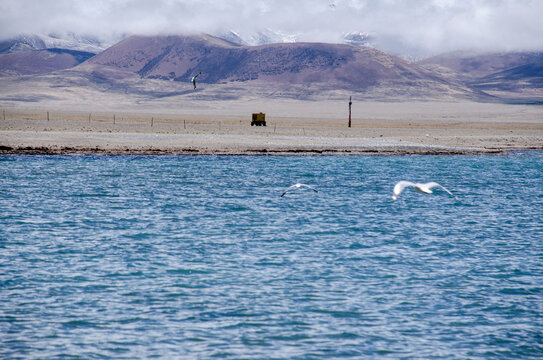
(422, 188)
(297, 186)
(193, 80)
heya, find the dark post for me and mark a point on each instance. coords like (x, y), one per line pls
(4, 114)
(114, 118)
(48, 116)
(350, 104)
(152, 120)
(89, 117)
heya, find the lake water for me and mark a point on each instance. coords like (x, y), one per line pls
(127, 257)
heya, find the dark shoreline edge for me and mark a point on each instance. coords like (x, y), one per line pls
(28, 150)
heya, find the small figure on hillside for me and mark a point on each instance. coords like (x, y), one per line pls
(194, 79)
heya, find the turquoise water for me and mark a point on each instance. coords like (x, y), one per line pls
(127, 257)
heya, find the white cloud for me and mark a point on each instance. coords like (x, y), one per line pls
(416, 26)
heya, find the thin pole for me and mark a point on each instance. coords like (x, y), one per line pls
(4, 114)
(89, 117)
(350, 104)
(48, 116)
(152, 120)
(184, 124)
(113, 118)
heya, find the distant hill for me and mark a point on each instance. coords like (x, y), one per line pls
(319, 65)
(40, 61)
(530, 75)
(469, 66)
(511, 76)
(521, 84)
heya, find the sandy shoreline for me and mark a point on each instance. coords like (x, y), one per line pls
(54, 142)
(405, 128)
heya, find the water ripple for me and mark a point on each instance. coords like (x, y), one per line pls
(198, 257)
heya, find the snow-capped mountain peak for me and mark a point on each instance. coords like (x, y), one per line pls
(68, 41)
(358, 38)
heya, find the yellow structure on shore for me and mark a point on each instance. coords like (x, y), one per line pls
(259, 119)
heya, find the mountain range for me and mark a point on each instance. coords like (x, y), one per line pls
(327, 66)
(292, 69)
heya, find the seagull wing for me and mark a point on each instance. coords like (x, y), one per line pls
(309, 187)
(288, 189)
(434, 184)
(398, 188)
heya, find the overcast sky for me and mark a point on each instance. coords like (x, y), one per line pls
(398, 26)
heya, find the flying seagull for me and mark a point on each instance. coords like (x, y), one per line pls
(194, 79)
(297, 186)
(422, 188)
